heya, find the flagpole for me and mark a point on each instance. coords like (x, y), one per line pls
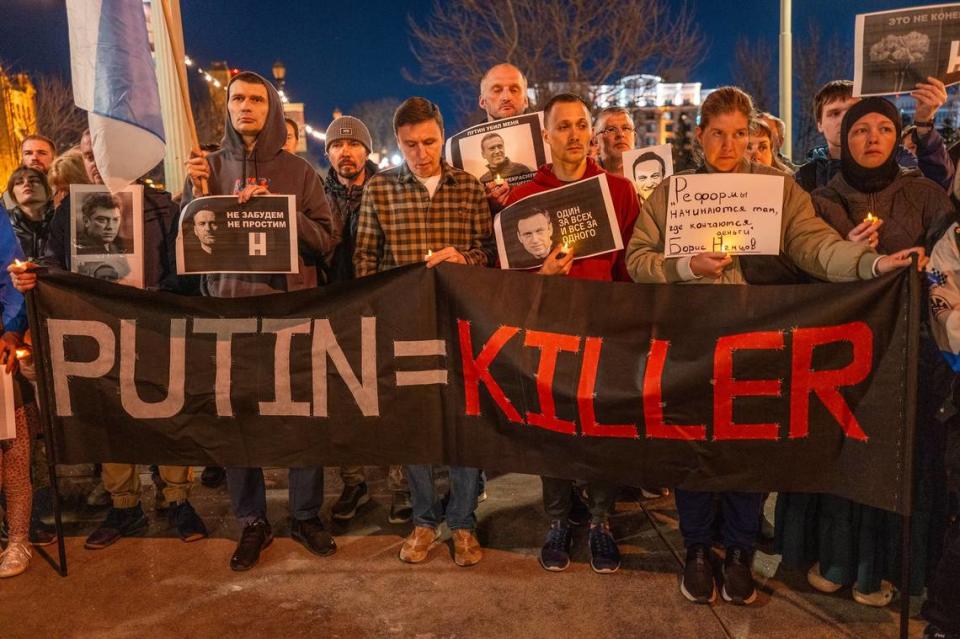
(786, 78)
(174, 32)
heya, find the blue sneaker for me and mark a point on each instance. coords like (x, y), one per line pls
(604, 554)
(555, 554)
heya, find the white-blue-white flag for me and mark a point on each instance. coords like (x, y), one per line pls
(115, 82)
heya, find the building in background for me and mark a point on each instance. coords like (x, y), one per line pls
(18, 118)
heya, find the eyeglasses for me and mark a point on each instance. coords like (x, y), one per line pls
(613, 130)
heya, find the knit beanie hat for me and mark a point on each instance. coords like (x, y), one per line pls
(348, 128)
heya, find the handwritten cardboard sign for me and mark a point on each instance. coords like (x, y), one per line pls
(733, 213)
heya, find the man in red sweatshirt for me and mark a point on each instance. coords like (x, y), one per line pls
(568, 131)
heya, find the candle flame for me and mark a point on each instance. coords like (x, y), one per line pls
(429, 254)
(23, 353)
(499, 180)
(566, 247)
(871, 218)
(17, 262)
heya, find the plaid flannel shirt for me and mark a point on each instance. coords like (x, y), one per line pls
(400, 222)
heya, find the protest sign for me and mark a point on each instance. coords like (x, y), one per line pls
(508, 150)
(220, 235)
(638, 384)
(735, 213)
(8, 427)
(648, 167)
(106, 231)
(579, 215)
(894, 50)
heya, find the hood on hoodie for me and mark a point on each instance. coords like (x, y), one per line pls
(271, 138)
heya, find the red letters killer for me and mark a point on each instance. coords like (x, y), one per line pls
(806, 384)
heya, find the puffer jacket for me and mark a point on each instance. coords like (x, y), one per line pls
(911, 208)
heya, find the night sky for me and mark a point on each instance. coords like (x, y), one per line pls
(337, 57)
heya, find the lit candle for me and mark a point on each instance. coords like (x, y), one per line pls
(499, 180)
(429, 254)
(871, 218)
(17, 262)
(22, 353)
(563, 251)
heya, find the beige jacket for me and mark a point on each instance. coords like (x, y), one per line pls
(805, 238)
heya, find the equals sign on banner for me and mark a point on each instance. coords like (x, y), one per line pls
(421, 348)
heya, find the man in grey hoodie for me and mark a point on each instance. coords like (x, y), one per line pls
(252, 162)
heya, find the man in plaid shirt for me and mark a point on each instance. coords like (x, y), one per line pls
(426, 210)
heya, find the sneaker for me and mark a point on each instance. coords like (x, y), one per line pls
(604, 554)
(120, 522)
(401, 510)
(213, 476)
(350, 500)
(466, 548)
(185, 519)
(738, 585)
(698, 584)
(555, 554)
(819, 582)
(99, 497)
(579, 513)
(416, 547)
(14, 560)
(254, 539)
(313, 536)
(934, 632)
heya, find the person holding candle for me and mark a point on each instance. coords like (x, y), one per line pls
(568, 131)
(806, 240)
(427, 211)
(15, 453)
(874, 200)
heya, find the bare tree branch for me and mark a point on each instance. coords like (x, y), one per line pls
(574, 43)
(816, 62)
(58, 117)
(753, 70)
(378, 116)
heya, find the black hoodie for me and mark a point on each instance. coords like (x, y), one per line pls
(282, 173)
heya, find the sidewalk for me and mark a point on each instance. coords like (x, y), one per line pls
(157, 586)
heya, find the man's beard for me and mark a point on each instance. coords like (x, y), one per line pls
(350, 172)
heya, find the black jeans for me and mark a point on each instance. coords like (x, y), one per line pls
(557, 498)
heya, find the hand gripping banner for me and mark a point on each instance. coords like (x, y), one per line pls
(790, 388)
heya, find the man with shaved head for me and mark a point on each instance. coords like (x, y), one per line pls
(503, 94)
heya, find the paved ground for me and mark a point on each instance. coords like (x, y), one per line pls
(156, 586)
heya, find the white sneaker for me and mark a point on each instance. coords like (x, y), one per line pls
(15, 559)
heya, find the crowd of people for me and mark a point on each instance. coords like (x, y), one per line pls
(861, 206)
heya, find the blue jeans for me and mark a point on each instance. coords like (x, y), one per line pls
(427, 508)
(248, 494)
(740, 512)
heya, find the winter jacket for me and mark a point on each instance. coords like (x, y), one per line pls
(932, 159)
(14, 309)
(345, 205)
(626, 204)
(31, 235)
(804, 238)
(283, 173)
(159, 215)
(911, 207)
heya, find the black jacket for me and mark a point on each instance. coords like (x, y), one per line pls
(345, 206)
(31, 235)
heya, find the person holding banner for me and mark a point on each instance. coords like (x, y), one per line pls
(15, 451)
(503, 94)
(252, 162)
(453, 225)
(873, 200)
(568, 132)
(809, 242)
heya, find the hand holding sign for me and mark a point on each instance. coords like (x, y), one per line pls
(930, 96)
(710, 265)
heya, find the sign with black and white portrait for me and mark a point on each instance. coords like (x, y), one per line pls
(220, 235)
(647, 167)
(508, 150)
(579, 216)
(106, 231)
(894, 50)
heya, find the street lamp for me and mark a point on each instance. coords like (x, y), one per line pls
(279, 73)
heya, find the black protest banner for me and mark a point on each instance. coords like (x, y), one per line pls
(794, 388)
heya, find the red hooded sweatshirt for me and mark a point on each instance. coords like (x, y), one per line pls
(609, 266)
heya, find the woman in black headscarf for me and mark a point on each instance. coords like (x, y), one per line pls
(872, 199)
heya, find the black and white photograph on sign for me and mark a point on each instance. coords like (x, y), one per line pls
(220, 235)
(647, 167)
(894, 50)
(106, 230)
(579, 216)
(508, 150)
